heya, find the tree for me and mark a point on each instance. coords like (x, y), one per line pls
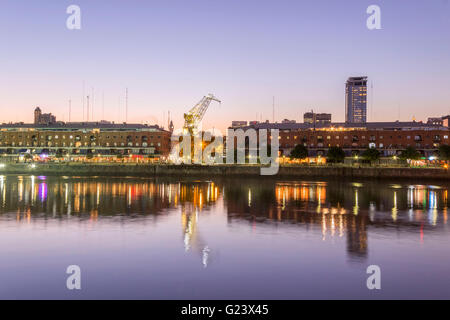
(444, 152)
(59, 153)
(410, 153)
(28, 157)
(371, 154)
(335, 154)
(299, 152)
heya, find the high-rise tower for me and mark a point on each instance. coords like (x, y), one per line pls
(356, 100)
(37, 115)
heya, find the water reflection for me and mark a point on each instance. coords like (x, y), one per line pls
(342, 209)
(337, 209)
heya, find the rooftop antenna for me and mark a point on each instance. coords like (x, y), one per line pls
(126, 105)
(70, 108)
(87, 108)
(84, 94)
(273, 109)
(168, 119)
(118, 110)
(103, 105)
(92, 118)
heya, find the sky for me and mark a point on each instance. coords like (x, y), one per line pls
(170, 53)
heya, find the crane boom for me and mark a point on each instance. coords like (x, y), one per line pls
(194, 116)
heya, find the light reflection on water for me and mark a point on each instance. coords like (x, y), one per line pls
(234, 236)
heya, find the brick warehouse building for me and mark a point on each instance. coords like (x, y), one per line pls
(390, 138)
(83, 138)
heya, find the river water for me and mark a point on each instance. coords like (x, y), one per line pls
(147, 238)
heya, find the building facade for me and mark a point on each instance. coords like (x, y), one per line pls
(356, 100)
(43, 118)
(84, 138)
(318, 118)
(390, 138)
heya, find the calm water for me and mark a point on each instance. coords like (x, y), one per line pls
(222, 239)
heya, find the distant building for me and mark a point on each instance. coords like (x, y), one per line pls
(288, 121)
(436, 121)
(439, 121)
(445, 121)
(238, 124)
(318, 118)
(43, 118)
(356, 100)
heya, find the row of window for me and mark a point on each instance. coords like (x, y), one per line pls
(79, 144)
(77, 137)
(355, 145)
(371, 138)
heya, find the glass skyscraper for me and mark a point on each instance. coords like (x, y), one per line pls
(356, 100)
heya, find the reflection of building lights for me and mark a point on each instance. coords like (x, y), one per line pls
(356, 207)
(43, 191)
(394, 209)
(324, 227)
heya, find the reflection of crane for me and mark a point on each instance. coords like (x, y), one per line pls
(193, 118)
(190, 235)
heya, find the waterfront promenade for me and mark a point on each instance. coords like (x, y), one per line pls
(149, 170)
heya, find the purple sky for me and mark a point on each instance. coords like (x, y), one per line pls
(171, 53)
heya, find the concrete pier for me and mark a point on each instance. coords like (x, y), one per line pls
(71, 169)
